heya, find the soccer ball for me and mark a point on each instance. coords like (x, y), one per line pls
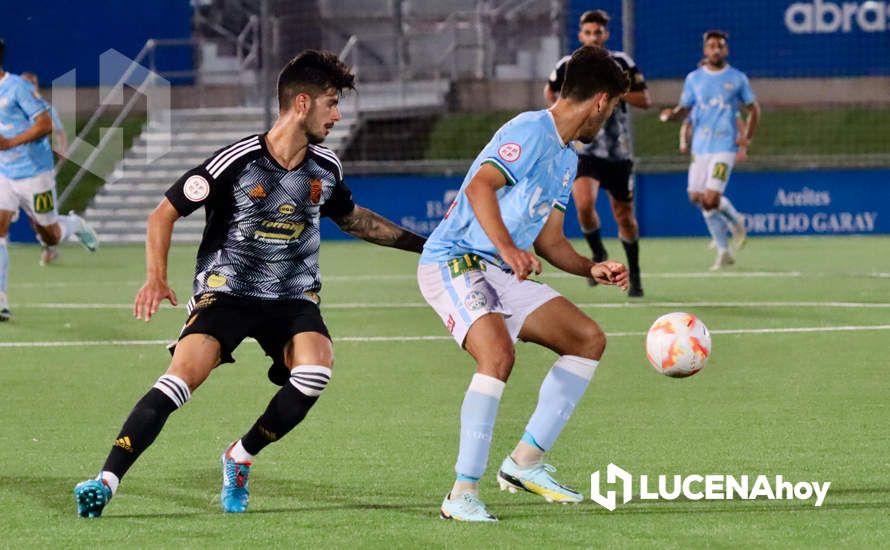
(678, 344)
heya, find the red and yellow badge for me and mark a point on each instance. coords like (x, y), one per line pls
(315, 188)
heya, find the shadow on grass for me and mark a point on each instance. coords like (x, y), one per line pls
(188, 494)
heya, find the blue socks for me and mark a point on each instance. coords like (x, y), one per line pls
(4, 265)
(477, 415)
(562, 389)
(718, 227)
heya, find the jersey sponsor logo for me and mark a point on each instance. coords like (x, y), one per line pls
(315, 189)
(43, 202)
(257, 192)
(215, 281)
(287, 209)
(196, 188)
(510, 152)
(279, 231)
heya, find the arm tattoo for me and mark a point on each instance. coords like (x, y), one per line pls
(374, 228)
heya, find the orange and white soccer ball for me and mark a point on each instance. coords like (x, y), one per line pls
(678, 344)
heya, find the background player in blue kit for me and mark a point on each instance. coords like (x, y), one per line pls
(26, 173)
(474, 272)
(712, 96)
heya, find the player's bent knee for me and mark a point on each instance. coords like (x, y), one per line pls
(590, 341)
(497, 361)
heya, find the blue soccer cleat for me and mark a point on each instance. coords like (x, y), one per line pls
(91, 496)
(234, 494)
(85, 234)
(535, 479)
(466, 507)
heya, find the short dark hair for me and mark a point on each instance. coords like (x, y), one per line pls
(594, 16)
(313, 72)
(715, 33)
(592, 70)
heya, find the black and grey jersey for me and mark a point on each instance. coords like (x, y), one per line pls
(613, 140)
(261, 237)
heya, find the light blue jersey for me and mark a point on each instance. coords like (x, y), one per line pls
(715, 97)
(539, 169)
(19, 106)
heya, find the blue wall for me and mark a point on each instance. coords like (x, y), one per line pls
(52, 37)
(768, 38)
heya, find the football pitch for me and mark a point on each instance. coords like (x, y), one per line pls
(798, 385)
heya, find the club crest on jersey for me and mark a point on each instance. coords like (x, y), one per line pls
(196, 188)
(257, 192)
(315, 188)
(216, 280)
(510, 152)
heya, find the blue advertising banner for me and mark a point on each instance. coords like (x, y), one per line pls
(837, 202)
(768, 38)
(53, 37)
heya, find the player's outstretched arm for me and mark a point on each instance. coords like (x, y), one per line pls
(553, 246)
(673, 113)
(374, 228)
(157, 245)
(42, 126)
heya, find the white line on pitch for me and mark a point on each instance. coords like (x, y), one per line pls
(591, 305)
(787, 330)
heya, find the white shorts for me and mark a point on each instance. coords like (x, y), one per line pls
(710, 171)
(463, 297)
(35, 195)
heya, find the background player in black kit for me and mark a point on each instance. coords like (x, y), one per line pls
(256, 273)
(608, 160)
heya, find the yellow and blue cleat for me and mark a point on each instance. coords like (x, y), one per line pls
(466, 507)
(91, 496)
(234, 494)
(535, 479)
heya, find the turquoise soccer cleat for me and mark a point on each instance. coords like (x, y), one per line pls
(234, 494)
(466, 507)
(86, 235)
(91, 496)
(537, 480)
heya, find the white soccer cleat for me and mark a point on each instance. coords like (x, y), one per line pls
(723, 259)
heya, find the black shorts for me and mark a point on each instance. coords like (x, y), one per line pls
(231, 319)
(615, 176)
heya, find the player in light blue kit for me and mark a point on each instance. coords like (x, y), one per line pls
(474, 272)
(26, 173)
(713, 94)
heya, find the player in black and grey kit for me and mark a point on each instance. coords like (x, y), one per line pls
(256, 275)
(608, 160)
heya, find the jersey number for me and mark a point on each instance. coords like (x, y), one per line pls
(721, 169)
(44, 202)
